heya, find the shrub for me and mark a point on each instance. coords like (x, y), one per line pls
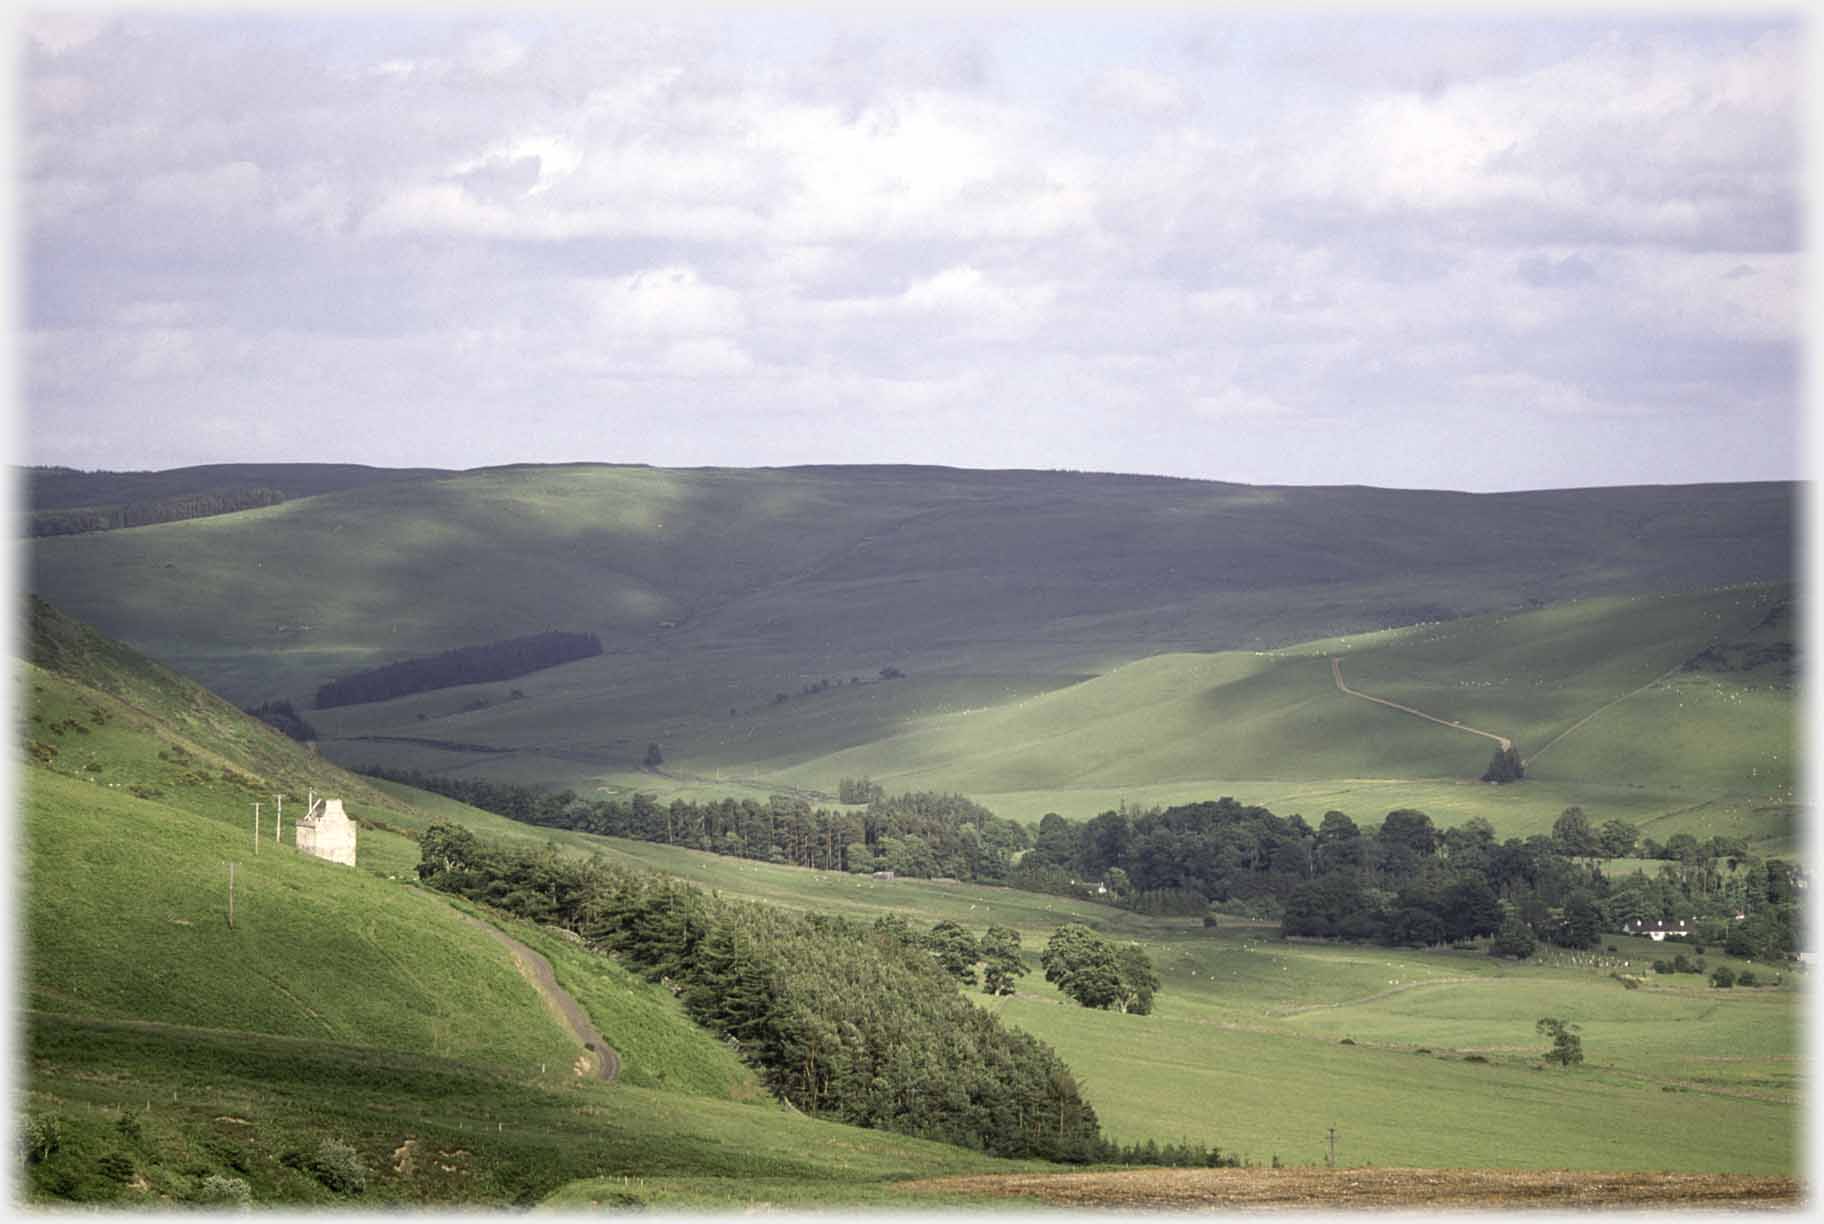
(39, 1138)
(128, 1124)
(1660, 966)
(1747, 978)
(338, 1166)
(1474, 1058)
(116, 1165)
(1723, 978)
(221, 1190)
(1515, 939)
(1567, 1047)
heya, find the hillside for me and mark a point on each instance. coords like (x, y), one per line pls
(166, 1048)
(827, 571)
(1673, 711)
(54, 488)
(1419, 1058)
(351, 1037)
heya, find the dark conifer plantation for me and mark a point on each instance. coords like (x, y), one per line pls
(503, 660)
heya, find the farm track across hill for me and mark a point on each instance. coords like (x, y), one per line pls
(1336, 673)
(1663, 676)
(1320, 1189)
(537, 970)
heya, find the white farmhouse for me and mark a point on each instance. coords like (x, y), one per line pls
(327, 832)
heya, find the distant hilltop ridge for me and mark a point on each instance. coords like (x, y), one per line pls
(58, 486)
(836, 570)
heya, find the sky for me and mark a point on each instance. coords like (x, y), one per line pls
(1354, 246)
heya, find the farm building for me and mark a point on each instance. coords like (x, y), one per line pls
(1658, 928)
(327, 832)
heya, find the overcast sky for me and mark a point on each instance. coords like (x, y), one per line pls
(1340, 247)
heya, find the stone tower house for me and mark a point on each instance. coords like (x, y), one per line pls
(327, 832)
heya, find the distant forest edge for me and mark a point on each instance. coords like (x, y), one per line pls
(80, 519)
(1402, 883)
(502, 660)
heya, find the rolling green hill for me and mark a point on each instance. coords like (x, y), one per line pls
(345, 1006)
(1596, 692)
(166, 1048)
(716, 589)
(1068, 641)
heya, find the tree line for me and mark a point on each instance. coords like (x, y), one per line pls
(502, 660)
(81, 519)
(854, 1022)
(1401, 882)
(1407, 882)
(921, 834)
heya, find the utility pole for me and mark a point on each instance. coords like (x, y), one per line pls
(256, 829)
(278, 821)
(1330, 1163)
(231, 896)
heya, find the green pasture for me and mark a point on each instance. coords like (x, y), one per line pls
(1268, 1092)
(126, 918)
(430, 1132)
(1245, 1050)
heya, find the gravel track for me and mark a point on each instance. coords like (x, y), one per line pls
(537, 970)
(1336, 673)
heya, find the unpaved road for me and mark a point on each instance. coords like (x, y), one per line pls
(1336, 673)
(537, 970)
(1323, 1189)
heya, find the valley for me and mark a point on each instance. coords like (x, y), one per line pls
(752, 635)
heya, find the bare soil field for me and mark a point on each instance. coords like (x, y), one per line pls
(1319, 1189)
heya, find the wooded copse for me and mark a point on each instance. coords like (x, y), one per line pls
(80, 519)
(1407, 882)
(921, 834)
(844, 1020)
(502, 660)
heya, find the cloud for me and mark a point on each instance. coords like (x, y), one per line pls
(661, 302)
(1545, 272)
(1123, 234)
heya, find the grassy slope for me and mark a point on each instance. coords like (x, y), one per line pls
(1244, 1050)
(1270, 727)
(332, 1008)
(718, 588)
(64, 489)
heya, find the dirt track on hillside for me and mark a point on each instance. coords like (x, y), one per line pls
(1336, 673)
(537, 970)
(1323, 1189)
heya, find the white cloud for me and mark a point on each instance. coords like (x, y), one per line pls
(1141, 91)
(219, 189)
(1108, 242)
(707, 358)
(665, 302)
(1240, 403)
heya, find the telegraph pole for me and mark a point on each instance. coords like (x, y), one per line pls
(231, 896)
(256, 828)
(278, 821)
(1330, 1163)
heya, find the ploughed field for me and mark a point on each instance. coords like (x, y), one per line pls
(1205, 1189)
